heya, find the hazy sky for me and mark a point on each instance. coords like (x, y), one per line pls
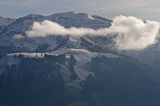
(145, 9)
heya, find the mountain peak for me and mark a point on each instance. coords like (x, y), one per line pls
(33, 16)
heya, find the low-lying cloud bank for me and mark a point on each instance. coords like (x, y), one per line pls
(48, 28)
(131, 33)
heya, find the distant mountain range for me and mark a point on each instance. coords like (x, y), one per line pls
(64, 71)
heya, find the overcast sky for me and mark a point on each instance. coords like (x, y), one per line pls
(145, 9)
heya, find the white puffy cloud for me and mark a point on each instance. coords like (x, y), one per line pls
(134, 33)
(131, 33)
(47, 28)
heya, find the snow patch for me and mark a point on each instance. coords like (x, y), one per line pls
(29, 55)
(91, 17)
(82, 56)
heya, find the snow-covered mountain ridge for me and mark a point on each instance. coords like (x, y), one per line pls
(69, 71)
(52, 43)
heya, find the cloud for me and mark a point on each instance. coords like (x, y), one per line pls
(48, 28)
(131, 33)
(134, 33)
